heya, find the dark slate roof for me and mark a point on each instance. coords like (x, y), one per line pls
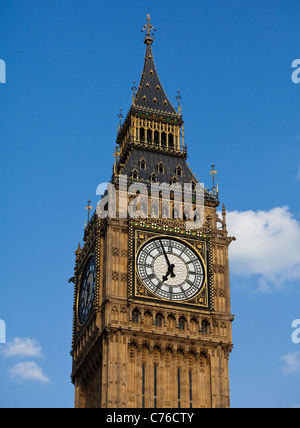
(152, 160)
(151, 93)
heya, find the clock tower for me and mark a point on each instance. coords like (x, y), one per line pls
(152, 315)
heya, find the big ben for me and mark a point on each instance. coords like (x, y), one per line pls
(152, 313)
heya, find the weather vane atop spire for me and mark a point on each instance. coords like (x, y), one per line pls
(134, 88)
(149, 31)
(213, 172)
(178, 99)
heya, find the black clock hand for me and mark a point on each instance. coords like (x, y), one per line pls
(165, 254)
(169, 272)
(170, 267)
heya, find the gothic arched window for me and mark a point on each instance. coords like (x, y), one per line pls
(135, 317)
(182, 322)
(143, 165)
(149, 136)
(179, 171)
(134, 174)
(161, 168)
(163, 139)
(142, 134)
(153, 178)
(205, 327)
(159, 320)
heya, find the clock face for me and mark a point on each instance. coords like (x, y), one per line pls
(170, 269)
(87, 291)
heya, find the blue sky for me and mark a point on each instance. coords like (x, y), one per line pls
(70, 66)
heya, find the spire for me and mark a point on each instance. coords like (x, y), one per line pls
(151, 94)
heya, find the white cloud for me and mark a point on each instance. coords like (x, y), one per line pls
(28, 370)
(291, 362)
(267, 245)
(22, 348)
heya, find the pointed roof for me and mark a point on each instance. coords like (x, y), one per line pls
(151, 93)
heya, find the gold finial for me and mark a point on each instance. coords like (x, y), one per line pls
(149, 30)
(78, 251)
(213, 172)
(116, 156)
(88, 209)
(120, 116)
(178, 99)
(134, 89)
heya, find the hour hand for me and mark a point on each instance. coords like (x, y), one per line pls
(169, 272)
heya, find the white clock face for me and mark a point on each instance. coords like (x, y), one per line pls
(170, 269)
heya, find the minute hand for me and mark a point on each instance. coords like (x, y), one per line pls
(165, 254)
(170, 267)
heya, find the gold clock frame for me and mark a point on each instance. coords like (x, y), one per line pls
(140, 234)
